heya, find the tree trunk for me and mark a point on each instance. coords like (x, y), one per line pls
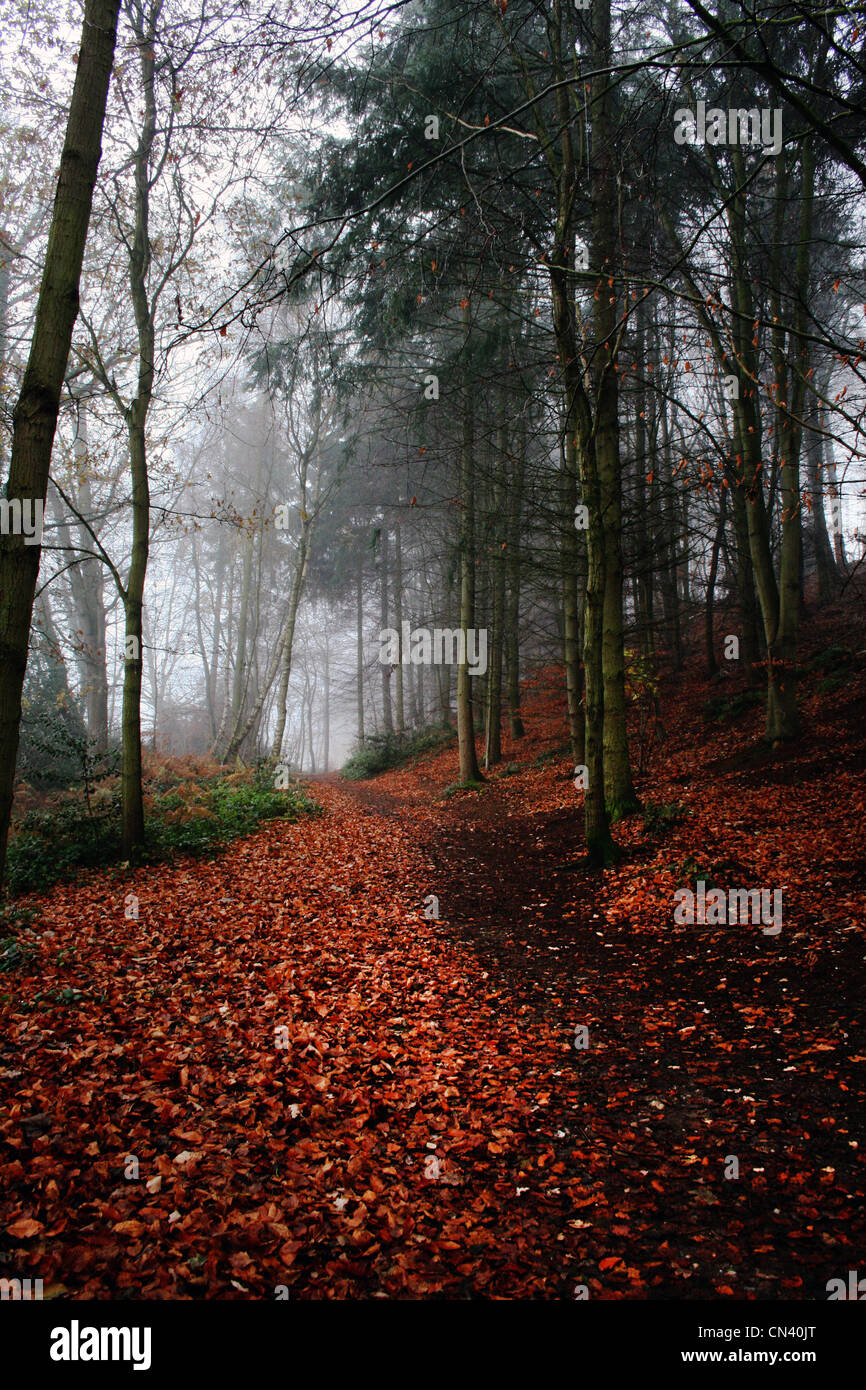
(301, 562)
(709, 634)
(35, 416)
(387, 671)
(398, 624)
(579, 425)
(86, 584)
(359, 649)
(469, 769)
(493, 741)
(309, 704)
(835, 502)
(514, 504)
(825, 561)
(132, 805)
(619, 789)
(326, 720)
(571, 599)
(643, 549)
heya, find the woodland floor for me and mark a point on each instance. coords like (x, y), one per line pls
(305, 1166)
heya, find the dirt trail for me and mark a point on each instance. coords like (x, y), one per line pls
(284, 1042)
(687, 1068)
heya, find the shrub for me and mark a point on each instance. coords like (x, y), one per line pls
(833, 659)
(380, 752)
(722, 708)
(191, 817)
(551, 754)
(658, 818)
(14, 955)
(642, 689)
(456, 787)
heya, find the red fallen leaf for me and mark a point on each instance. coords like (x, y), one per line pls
(610, 1262)
(130, 1228)
(25, 1228)
(302, 923)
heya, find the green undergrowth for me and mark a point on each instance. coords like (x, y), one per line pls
(185, 814)
(381, 752)
(836, 666)
(551, 754)
(723, 708)
(657, 818)
(456, 787)
(691, 871)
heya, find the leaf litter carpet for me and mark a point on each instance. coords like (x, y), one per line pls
(284, 1076)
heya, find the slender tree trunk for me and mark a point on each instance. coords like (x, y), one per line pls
(420, 695)
(208, 683)
(217, 625)
(35, 416)
(6, 254)
(580, 425)
(398, 624)
(387, 671)
(443, 681)
(302, 742)
(359, 649)
(132, 805)
(782, 712)
(779, 601)
(493, 741)
(481, 609)
(666, 531)
(309, 704)
(326, 718)
(288, 638)
(619, 789)
(825, 560)
(220, 743)
(709, 634)
(835, 503)
(86, 584)
(514, 504)
(643, 549)
(240, 678)
(571, 598)
(469, 769)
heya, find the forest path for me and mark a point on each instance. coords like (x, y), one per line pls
(324, 1090)
(691, 1056)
